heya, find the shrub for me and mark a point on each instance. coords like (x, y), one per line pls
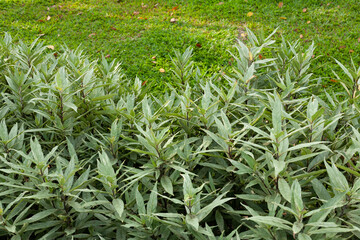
(253, 153)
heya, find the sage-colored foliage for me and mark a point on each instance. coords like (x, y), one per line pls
(249, 154)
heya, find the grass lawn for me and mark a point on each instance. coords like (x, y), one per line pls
(142, 34)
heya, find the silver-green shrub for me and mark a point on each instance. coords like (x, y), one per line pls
(254, 153)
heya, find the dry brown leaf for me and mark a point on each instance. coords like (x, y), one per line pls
(313, 56)
(136, 13)
(50, 47)
(154, 57)
(154, 62)
(113, 28)
(284, 18)
(301, 36)
(48, 9)
(41, 34)
(249, 14)
(92, 34)
(351, 51)
(220, 3)
(162, 70)
(198, 45)
(173, 20)
(304, 10)
(281, 4)
(359, 39)
(175, 8)
(308, 22)
(48, 18)
(342, 47)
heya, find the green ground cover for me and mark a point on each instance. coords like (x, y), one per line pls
(140, 32)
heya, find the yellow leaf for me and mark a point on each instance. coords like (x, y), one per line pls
(48, 18)
(250, 56)
(50, 47)
(280, 4)
(162, 70)
(249, 14)
(308, 22)
(283, 18)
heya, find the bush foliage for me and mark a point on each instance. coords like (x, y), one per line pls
(248, 154)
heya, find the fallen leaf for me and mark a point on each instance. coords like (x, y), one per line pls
(107, 56)
(351, 51)
(249, 14)
(173, 20)
(301, 36)
(304, 10)
(220, 3)
(154, 62)
(41, 34)
(50, 47)
(342, 47)
(308, 22)
(243, 35)
(143, 83)
(283, 18)
(296, 30)
(175, 8)
(92, 34)
(40, 20)
(313, 56)
(261, 56)
(144, 5)
(80, 13)
(48, 9)
(333, 80)
(142, 18)
(359, 39)
(55, 54)
(198, 45)
(48, 18)
(156, 5)
(328, 4)
(162, 70)
(113, 28)
(136, 13)
(280, 4)
(154, 57)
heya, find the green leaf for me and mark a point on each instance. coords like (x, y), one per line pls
(192, 220)
(272, 221)
(38, 216)
(284, 189)
(119, 206)
(167, 184)
(297, 227)
(152, 203)
(337, 179)
(139, 202)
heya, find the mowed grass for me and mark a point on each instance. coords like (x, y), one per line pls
(141, 34)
